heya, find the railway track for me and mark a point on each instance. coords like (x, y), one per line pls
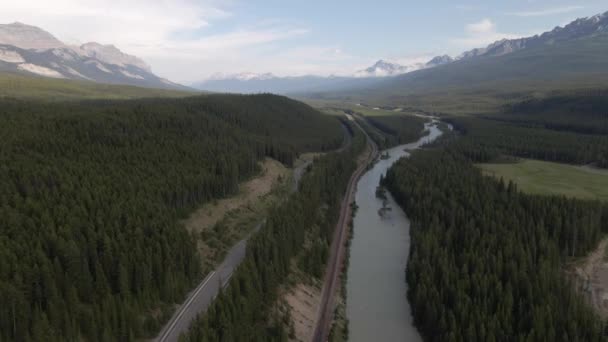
(337, 251)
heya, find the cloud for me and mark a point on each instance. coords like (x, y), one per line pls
(174, 36)
(547, 12)
(481, 33)
(482, 27)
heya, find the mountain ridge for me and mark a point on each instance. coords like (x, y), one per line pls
(28, 49)
(581, 27)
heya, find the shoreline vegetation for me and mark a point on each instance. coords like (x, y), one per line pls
(503, 249)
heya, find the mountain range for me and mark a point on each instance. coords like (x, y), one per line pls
(30, 50)
(386, 72)
(566, 59)
(257, 83)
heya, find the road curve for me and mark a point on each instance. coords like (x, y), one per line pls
(336, 256)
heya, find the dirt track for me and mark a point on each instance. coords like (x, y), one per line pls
(591, 278)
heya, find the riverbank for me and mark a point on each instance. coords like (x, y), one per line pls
(376, 306)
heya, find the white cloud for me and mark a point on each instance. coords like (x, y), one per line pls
(548, 11)
(482, 27)
(480, 34)
(297, 61)
(413, 60)
(169, 34)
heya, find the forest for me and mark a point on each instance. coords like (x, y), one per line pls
(585, 113)
(91, 195)
(567, 129)
(246, 310)
(398, 129)
(485, 262)
(486, 140)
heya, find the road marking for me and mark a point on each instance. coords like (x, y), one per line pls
(227, 280)
(185, 306)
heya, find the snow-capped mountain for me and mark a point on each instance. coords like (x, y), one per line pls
(249, 82)
(111, 55)
(31, 50)
(384, 68)
(584, 27)
(439, 60)
(243, 76)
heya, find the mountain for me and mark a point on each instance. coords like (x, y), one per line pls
(383, 68)
(28, 37)
(467, 70)
(111, 55)
(564, 59)
(30, 50)
(580, 28)
(268, 83)
(251, 83)
(439, 60)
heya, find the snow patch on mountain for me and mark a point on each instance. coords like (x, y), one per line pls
(40, 70)
(76, 73)
(131, 75)
(99, 66)
(111, 55)
(66, 54)
(10, 56)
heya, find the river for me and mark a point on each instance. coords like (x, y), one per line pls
(377, 306)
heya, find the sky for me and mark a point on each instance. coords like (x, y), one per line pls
(191, 40)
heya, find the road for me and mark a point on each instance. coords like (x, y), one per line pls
(337, 252)
(202, 296)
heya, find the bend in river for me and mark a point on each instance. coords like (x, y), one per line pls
(377, 306)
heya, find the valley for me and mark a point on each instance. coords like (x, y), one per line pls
(455, 193)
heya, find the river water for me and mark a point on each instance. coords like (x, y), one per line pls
(377, 306)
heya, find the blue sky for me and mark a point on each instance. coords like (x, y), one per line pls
(190, 40)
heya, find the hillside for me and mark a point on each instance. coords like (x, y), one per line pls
(14, 85)
(92, 194)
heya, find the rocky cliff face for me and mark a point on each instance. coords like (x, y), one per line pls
(31, 50)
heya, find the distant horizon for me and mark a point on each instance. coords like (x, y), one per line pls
(190, 41)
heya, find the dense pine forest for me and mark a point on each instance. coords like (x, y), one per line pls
(390, 131)
(487, 139)
(485, 262)
(398, 129)
(585, 113)
(567, 129)
(91, 194)
(246, 311)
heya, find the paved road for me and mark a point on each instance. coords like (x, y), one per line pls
(336, 256)
(200, 298)
(203, 295)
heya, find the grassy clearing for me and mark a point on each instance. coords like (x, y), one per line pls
(547, 178)
(19, 86)
(220, 224)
